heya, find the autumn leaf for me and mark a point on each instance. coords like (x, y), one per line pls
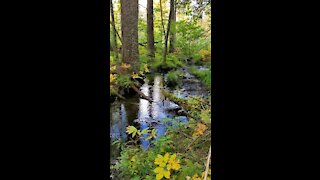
(112, 68)
(196, 177)
(199, 130)
(135, 76)
(112, 78)
(125, 66)
(159, 161)
(161, 173)
(146, 68)
(173, 163)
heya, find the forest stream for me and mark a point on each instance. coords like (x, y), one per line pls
(138, 112)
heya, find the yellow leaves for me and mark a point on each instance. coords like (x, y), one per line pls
(112, 78)
(112, 68)
(134, 158)
(166, 158)
(205, 54)
(146, 68)
(125, 66)
(206, 116)
(161, 173)
(135, 76)
(209, 173)
(196, 177)
(173, 162)
(153, 134)
(166, 162)
(132, 130)
(160, 161)
(199, 130)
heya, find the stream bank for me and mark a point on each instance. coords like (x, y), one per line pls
(138, 112)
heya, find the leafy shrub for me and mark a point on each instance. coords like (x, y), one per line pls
(205, 54)
(124, 80)
(173, 78)
(204, 75)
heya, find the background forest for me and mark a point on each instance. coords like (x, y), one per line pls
(160, 86)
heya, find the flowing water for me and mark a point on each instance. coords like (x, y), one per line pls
(138, 112)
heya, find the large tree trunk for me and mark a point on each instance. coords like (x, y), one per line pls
(173, 27)
(150, 29)
(115, 46)
(129, 33)
(167, 33)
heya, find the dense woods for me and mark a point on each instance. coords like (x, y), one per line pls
(160, 87)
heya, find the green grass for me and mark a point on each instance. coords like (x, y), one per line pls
(203, 75)
(173, 78)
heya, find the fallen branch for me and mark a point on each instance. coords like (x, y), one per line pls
(140, 93)
(207, 166)
(194, 140)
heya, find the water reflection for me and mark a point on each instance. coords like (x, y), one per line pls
(144, 115)
(157, 110)
(148, 114)
(118, 122)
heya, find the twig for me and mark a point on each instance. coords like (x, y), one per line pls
(185, 135)
(194, 140)
(142, 6)
(207, 166)
(117, 34)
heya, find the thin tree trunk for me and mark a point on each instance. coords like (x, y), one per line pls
(150, 28)
(167, 33)
(115, 49)
(161, 15)
(129, 29)
(173, 28)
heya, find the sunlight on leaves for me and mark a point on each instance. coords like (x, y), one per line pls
(199, 130)
(135, 76)
(132, 130)
(125, 66)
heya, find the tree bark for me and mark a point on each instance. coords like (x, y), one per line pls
(167, 33)
(150, 28)
(129, 30)
(161, 15)
(173, 28)
(115, 46)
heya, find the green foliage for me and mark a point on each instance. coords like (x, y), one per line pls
(192, 43)
(124, 80)
(204, 75)
(173, 78)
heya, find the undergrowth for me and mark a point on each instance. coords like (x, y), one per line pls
(166, 159)
(203, 75)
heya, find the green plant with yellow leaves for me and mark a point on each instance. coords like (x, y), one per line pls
(134, 131)
(166, 164)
